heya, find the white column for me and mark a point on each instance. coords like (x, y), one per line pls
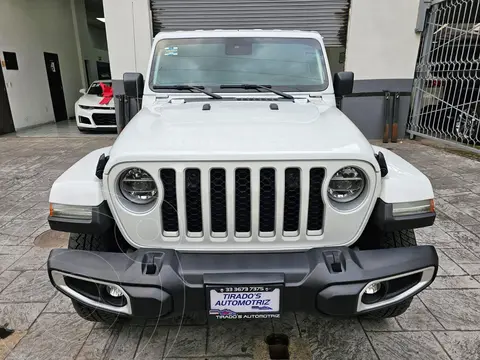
(73, 4)
(129, 35)
(381, 41)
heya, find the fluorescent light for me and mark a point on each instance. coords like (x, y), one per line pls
(101, 19)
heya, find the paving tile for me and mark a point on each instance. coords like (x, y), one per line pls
(60, 304)
(463, 199)
(13, 250)
(34, 213)
(30, 286)
(462, 256)
(8, 344)
(198, 318)
(13, 208)
(287, 325)
(455, 282)
(446, 224)
(433, 235)
(40, 231)
(9, 240)
(447, 266)
(467, 239)
(6, 261)
(390, 324)
(418, 345)
(20, 316)
(455, 214)
(97, 344)
(152, 344)
(460, 345)
(417, 317)
(6, 278)
(126, 343)
(474, 229)
(53, 336)
(335, 338)
(32, 260)
(454, 309)
(187, 341)
(236, 338)
(471, 269)
(21, 228)
(5, 219)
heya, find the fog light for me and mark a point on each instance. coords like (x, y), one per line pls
(373, 288)
(114, 291)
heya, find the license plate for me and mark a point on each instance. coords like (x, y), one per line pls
(245, 302)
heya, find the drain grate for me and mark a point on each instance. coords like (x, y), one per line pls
(278, 346)
(52, 239)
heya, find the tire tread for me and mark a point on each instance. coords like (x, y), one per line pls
(389, 240)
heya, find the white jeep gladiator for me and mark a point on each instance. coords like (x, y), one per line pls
(240, 190)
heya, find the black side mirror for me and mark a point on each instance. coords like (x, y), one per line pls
(343, 83)
(133, 84)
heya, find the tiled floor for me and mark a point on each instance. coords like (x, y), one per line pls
(442, 323)
(66, 128)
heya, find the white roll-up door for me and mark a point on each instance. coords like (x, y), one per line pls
(328, 17)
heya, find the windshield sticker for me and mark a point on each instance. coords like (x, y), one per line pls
(171, 51)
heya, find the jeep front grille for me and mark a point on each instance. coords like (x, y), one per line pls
(239, 203)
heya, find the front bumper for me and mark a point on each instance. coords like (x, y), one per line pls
(85, 118)
(161, 282)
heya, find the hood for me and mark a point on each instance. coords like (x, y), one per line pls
(94, 100)
(240, 130)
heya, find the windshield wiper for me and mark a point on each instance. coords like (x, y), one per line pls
(258, 87)
(187, 87)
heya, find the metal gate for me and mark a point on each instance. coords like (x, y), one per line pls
(328, 17)
(446, 89)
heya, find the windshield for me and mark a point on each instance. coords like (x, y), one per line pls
(290, 64)
(96, 89)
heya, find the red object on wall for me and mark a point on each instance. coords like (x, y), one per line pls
(107, 94)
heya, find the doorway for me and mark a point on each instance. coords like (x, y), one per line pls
(6, 119)
(103, 69)
(56, 88)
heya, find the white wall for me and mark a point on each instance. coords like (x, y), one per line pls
(381, 40)
(91, 44)
(31, 28)
(129, 35)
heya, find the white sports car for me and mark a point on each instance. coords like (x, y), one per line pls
(90, 114)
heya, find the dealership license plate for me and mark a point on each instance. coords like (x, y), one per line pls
(245, 302)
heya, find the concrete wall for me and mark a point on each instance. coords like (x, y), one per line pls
(31, 28)
(382, 48)
(93, 45)
(129, 35)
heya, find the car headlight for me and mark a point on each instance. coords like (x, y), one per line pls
(346, 185)
(138, 186)
(85, 107)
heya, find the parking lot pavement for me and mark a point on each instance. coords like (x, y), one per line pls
(442, 323)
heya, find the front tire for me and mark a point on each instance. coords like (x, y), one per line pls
(106, 242)
(91, 314)
(388, 240)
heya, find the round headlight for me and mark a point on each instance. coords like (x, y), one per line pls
(137, 186)
(346, 185)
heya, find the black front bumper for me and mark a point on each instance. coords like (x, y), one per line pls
(162, 282)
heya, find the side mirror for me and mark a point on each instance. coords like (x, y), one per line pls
(133, 84)
(343, 83)
(82, 91)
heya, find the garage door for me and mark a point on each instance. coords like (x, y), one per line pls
(328, 17)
